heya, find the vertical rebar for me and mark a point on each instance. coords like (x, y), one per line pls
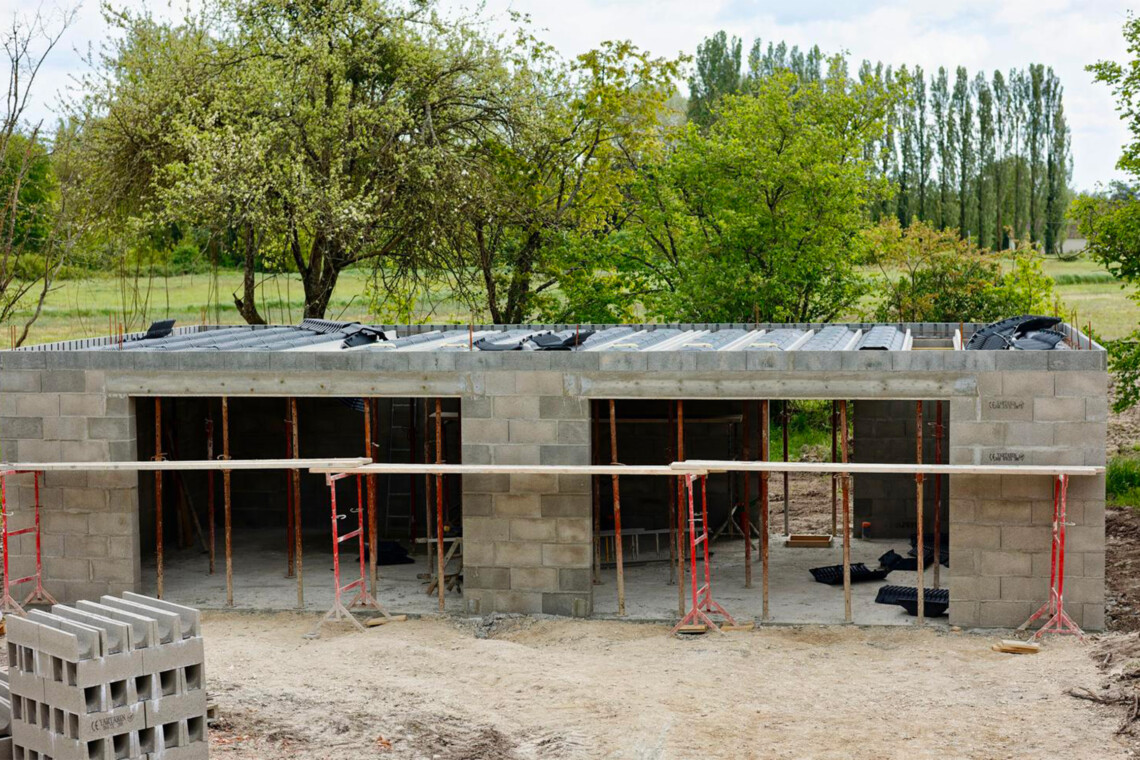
(846, 515)
(746, 514)
(673, 506)
(680, 511)
(834, 475)
(617, 511)
(290, 540)
(937, 495)
(765, 424)
(210, 482)
(371, 483)
(158, 495)
(440, 560)
(596, 492)
(228, 526)
(298, 523)
(787, 494)
(920, 571)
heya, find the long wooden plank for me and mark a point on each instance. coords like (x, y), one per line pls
(403, 468)
(329, 465)
(854, 468)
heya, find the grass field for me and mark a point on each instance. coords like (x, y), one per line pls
(82, 307)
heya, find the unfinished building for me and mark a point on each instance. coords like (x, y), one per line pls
(554, 396)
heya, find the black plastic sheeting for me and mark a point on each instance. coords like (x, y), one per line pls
(832, 575)
(937, 600)
(1024, 333)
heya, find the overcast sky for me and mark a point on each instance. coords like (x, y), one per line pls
(980, 34)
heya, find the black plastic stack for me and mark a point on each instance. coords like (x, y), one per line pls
(937, 600)
(1024, 333)
(832, 575)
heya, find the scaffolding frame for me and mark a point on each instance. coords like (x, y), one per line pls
(38, 594)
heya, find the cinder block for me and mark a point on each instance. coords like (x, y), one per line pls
(491, 430)
(513, 554)
(1027, 384)
(533, 431)
(486, 529)
(1025, 538)
(573, 529)
(965, 536)
(23, 427)
(566, 555)
(974, 588)
(175, 708)
(1025, 589)
(539, 383)
(1003, 614)
(485, 577)
(534, 578)
(37, 405)
(82, 405)
(517, 407)
(522, 602)
(1054, 409)
(563, 408)
(520, 454)
(20, 381)
(564, 455)
(1081, 384)
(1003, 563)
(565, 504)
(533, 529)
(533, 483)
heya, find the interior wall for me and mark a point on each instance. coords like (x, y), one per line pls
(884, 432)
(328, 427)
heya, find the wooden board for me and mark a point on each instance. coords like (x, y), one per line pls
(1013, 646)
(332, 464)
(404, 468)
(701, 466)
(373, 622)
(805, 541)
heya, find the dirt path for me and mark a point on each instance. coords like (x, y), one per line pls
(543, 688)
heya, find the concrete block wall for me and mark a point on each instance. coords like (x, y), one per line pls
(1001, 525)
(527, 539)
(884, 431)
(50, 411)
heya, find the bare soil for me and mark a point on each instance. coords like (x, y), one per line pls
(1122, 568)
(507, 687)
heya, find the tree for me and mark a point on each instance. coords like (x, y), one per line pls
(760, 215)
(945, 137)
(1112, 224)
(36, 211)
(964, 118)
(985, 156)
(317, 137)
(931, 275)
(550, 186)
(717, 74)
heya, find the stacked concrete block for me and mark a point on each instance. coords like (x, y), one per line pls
(121, 678)
(527, 538)
(5, 717)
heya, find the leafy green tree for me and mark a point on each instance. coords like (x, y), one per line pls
(759, 216)
(549, 189)
(319, 136)
(1112, 224)
(930, 275)
(716, 74)
(37, 216)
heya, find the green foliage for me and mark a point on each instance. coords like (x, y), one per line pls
(1122, 480)
(928, 275)
(758, 217)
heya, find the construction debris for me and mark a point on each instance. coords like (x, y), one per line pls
(1014, 646)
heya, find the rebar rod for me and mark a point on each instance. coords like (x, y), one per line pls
(617, 512)
(158, 497)
(920, 565)
(765, 423)
(746, 515)
(226, 503)
(846, 515)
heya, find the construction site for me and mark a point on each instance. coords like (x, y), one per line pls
(327, 474)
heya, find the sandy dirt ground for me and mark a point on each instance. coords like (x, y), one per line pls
(507, 687)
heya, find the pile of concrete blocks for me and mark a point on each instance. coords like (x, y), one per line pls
(121, 678)
(5, 718)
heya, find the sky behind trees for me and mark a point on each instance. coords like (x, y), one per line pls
(978, 34)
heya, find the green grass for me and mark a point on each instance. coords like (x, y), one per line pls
(81, 307)
(1122, 480)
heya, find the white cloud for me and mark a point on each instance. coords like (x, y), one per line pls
(978, 34)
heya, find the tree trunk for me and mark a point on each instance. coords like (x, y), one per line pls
(247, 304)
